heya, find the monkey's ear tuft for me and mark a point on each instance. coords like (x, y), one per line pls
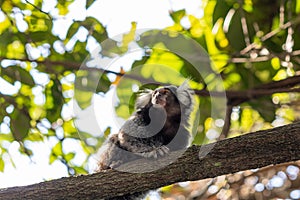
(185, 94)
(143, 99)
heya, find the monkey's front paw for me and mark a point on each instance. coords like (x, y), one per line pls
(156, 152)
(115, 164)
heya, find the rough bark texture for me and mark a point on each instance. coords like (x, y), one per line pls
(250, 151)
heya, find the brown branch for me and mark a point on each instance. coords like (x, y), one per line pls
(249, 151)
(283, 86)
(227, 122)
(271, 34)
(39, 9)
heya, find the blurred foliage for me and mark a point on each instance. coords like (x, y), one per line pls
(249, 43)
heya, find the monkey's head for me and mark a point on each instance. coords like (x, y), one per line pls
(175, 100)
(163, 97)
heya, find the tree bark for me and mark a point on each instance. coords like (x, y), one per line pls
(249, 151)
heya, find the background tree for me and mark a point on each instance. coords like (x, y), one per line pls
(254, 45)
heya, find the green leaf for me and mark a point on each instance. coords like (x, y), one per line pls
(95, 28)
(104, 84)
(16, 73)
(63, 6)
(52, 158)
(177, 15)
(57, 149)
(129, 37)
(54, 100)
(35, 137)
(235, 32)
(297, 7)
(110, 48)
(107, 131)
(221, 9)
(89, 3)
(265, 108)
(88, 83)
(1, 165)
(139, 63)
(19, 124)
(80, 170)
(6, 137)
(40, 36)
(73, 29)
(69, 156)
(83, 98)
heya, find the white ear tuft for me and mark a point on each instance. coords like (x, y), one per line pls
(184, 85)
(143, 99)
(184, 94)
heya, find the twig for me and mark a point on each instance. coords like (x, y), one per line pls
(283, 86)
(227, 122)
(39, 9)
(271, 34)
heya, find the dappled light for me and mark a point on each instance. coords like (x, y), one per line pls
(265, 183)
(71, 72)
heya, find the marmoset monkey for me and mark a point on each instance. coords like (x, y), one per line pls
(159, 125)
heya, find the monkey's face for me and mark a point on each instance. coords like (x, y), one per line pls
(163, 97)
(159, 97)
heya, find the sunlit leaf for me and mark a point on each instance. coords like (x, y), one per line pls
(128, 37)
(15, 50)
(34, 137)
(69, 128)
(80, 170)
(83, 98)
(297, 7)
(57, 149)
(196, 28)
(6, 137)
(4, 25)
(95, 28)
(247, 119)
(107, 132)
(52, 158)
(63, 6)
(7, 6)
(1, 164)
(177, 15)
(69, 156)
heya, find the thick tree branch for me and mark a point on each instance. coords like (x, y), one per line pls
(235, 97)
(250, 151)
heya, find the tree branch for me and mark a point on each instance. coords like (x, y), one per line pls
(282, 86)
(250, 151)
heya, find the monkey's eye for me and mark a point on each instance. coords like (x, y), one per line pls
(166, 91)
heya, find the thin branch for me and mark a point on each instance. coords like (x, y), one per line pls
(39, 9)
(281, 13)
(271, 34)
(244, 24)
(227, 122)
(283, 86)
